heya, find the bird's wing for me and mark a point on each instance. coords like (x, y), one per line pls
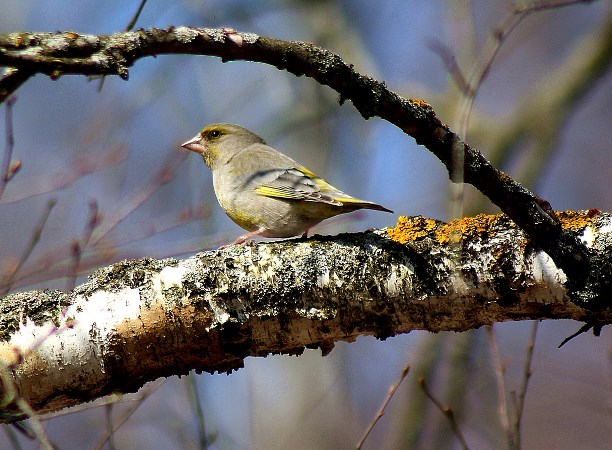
(299, 184)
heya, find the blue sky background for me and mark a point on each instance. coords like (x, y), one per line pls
(314, 402)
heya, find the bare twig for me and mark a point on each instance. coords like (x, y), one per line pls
(6, 284)
(192, 388)
(84, 164)
(471, 86)
(450, 62)
(79, 246)
(109, 424)
(165, 223)
(166, 173)
(144, 395)
(9, 168)
(57, 262)
(500, 370)
(447, 411)
(11, 80)
(136, 15)
(520, 406)
(129, 26)
(392, 390)
(489, 54)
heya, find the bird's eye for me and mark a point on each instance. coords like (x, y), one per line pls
(214, 134)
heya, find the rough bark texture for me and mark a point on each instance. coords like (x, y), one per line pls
(56, 54)
(135, 321)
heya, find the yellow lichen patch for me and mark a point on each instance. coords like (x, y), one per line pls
(577, 220)
(467, 227)
(420, 103)
(411, 228)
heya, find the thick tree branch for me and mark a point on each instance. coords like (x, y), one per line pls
(57, 54)
(135, 321)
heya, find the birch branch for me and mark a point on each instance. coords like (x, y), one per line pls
(139, 320)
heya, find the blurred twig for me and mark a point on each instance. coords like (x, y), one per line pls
(540, 118)
(129, 26)
(136, 15)
(10, 81)
(9, 168)
(204, 440)
(82, 165)
(470, 85)
(520, 403)
(500, 370)
(108, 408)
(58, 263)
(78, 246)
(9, 279)
(145, 393)
(166, 173)
(498, 37)
(447, 411)
(392, 390)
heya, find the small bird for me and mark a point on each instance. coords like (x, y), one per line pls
(263, 191)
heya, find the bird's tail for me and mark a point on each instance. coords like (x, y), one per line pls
(361, 204)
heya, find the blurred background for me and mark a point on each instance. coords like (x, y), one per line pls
(103, 179)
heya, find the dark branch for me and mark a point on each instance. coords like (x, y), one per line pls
(57, 54)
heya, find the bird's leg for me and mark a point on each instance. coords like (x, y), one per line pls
(245, 237)
(305, 234)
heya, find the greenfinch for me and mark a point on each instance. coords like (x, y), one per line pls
(263, 191)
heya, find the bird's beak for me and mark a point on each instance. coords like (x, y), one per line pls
(194, 145)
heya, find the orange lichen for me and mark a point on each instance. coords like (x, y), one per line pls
(577, 220)
(468, 227)
(420, 103)
(411, 228)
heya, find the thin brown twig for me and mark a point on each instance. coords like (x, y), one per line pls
(163, 176)
(475, 81)
(109, 424)
(392, 390)
(7, 169)
(489, 54)
(164, 224)
(99, 403)
(11, 80)
(166, 173)
(127, 415)
(6, 284)
(447, 411)
(56, 263)
(84, 164)
(79, 246)
(523, 392)
(129, 27)
(502, 409)
(192, 389)
(136, 15)
(449, 60)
